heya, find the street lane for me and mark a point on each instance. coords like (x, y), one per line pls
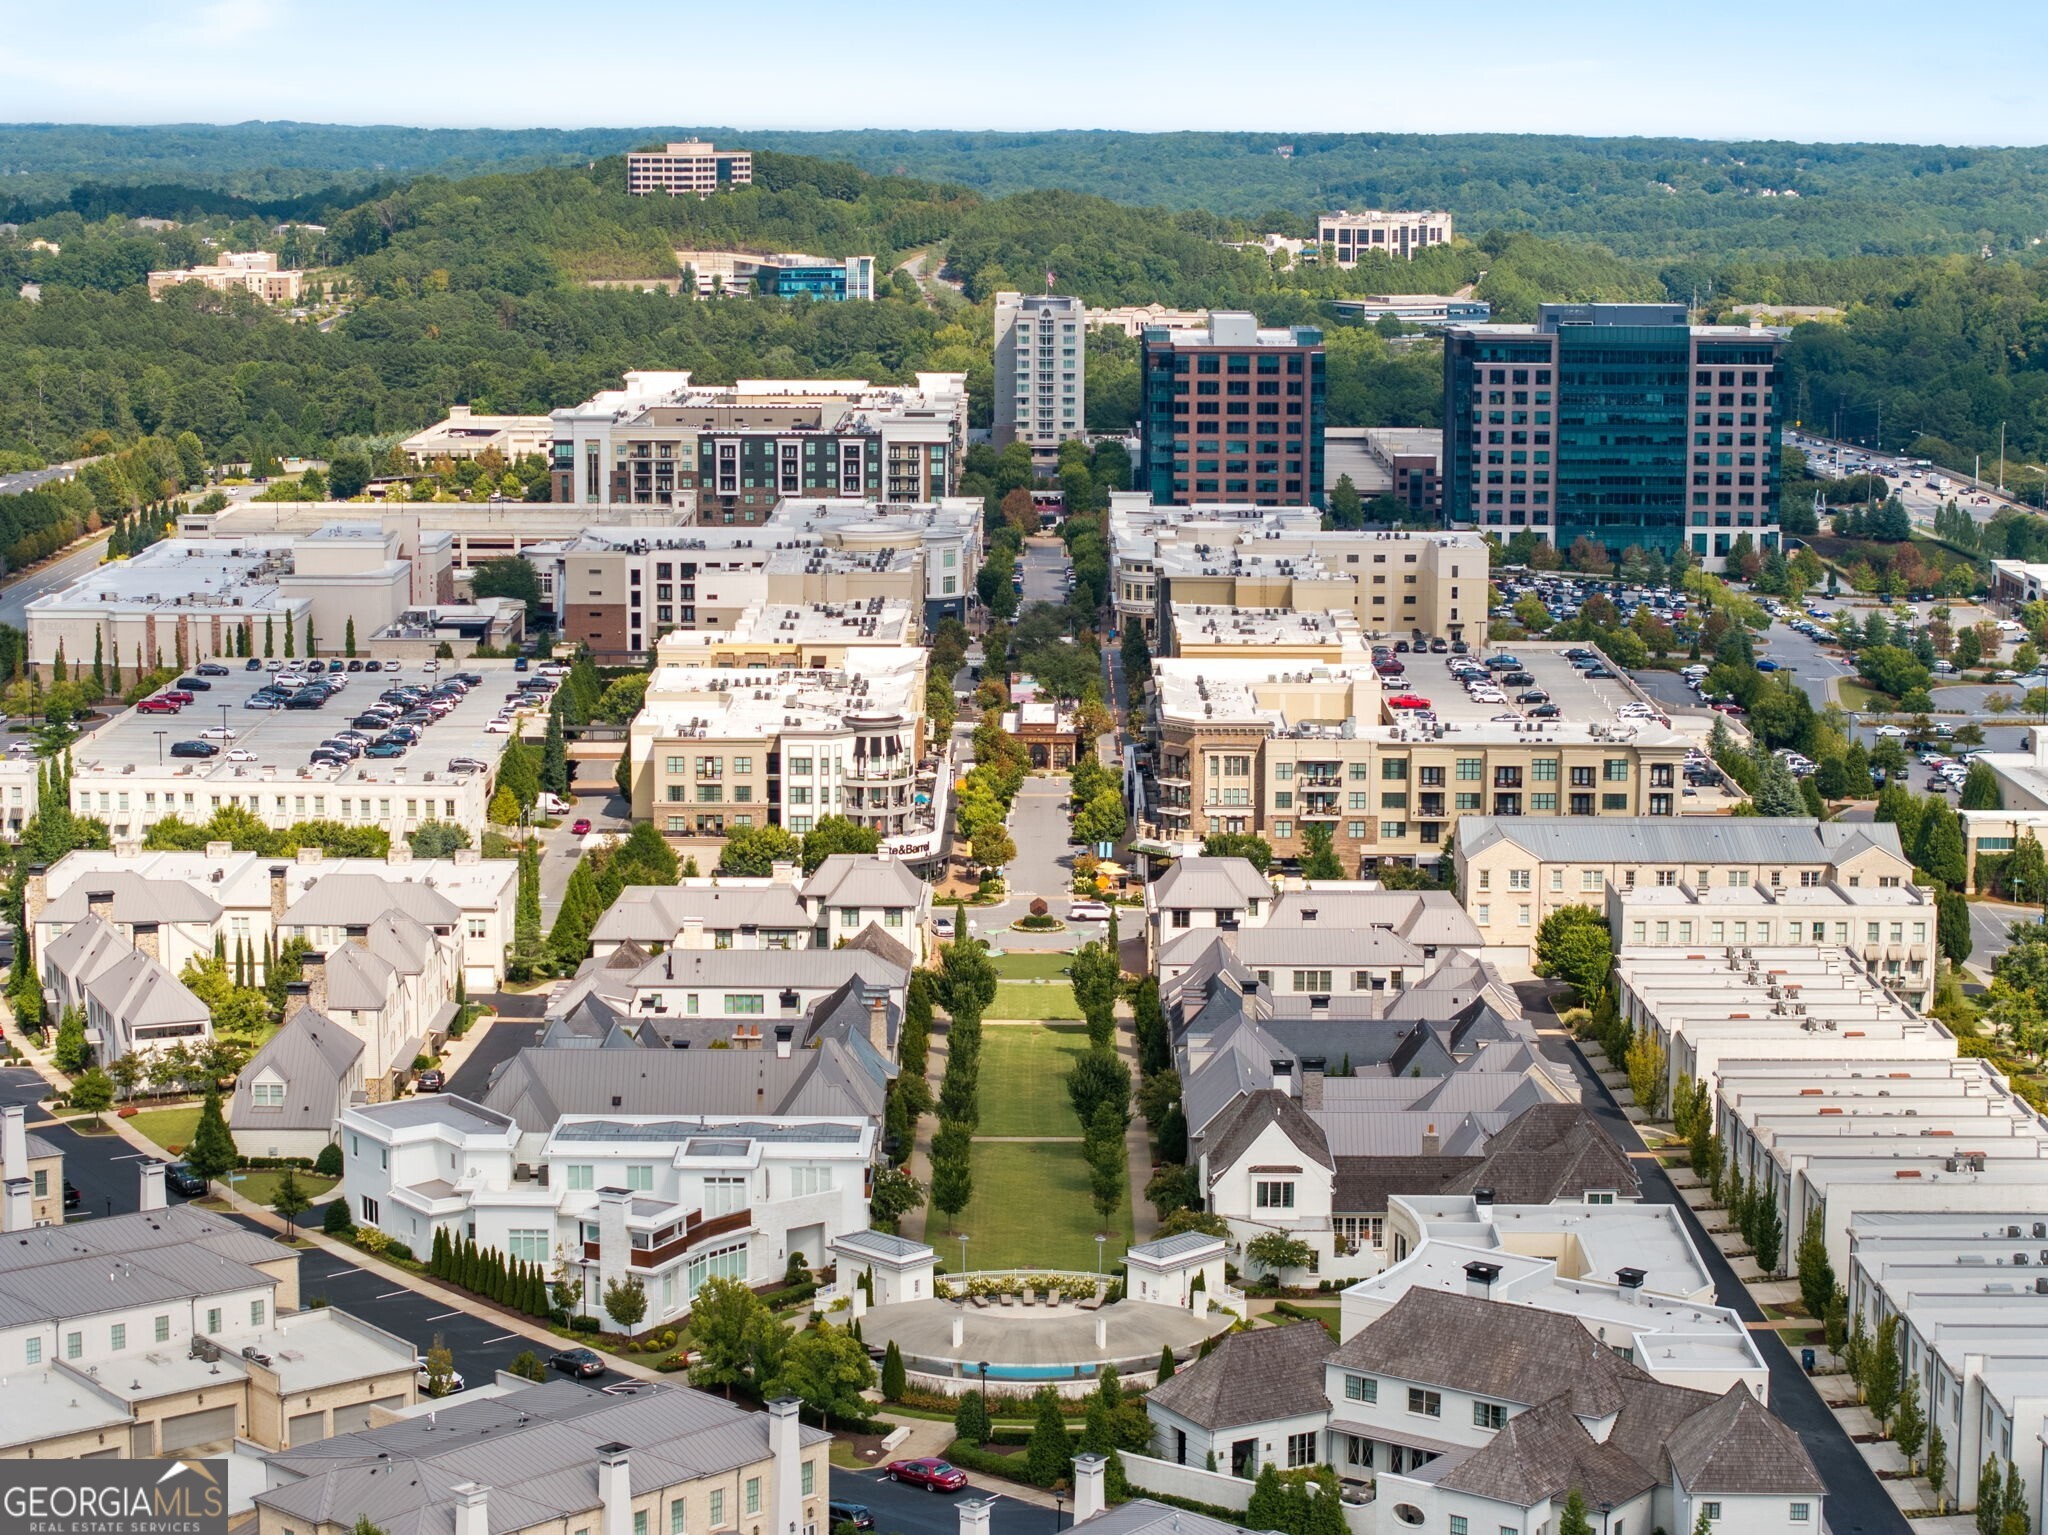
(903, 1510)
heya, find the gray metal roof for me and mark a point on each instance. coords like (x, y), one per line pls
(692, 1130)
(1142, 1516)
(784, 968)
(1678, 839)
(356, 900)
(538, 1087)
(883, 1244)
(136, 899)
(865, 880)
(437, 1109)
(1179, 1245)
(656, 913)
(314, 1056)
(1218, 883)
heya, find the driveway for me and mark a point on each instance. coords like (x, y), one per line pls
(902, 1510)
(1857, 1503)
(1044, 867)
(517, 1025)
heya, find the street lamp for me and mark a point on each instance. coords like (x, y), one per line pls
(225, 733)
(1100, 1238)
(983, 1367)
(160, 746)
(1059, 1508)
(963, 1252)
(583, 1293)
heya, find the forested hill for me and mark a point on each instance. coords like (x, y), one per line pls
(1651, 198)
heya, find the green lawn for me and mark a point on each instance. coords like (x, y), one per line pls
(1864, 699)
(1032, 967)
(1034, 999)
(1030, 1207)
(171, 1129)
(1024, 1080)
(260, 1185)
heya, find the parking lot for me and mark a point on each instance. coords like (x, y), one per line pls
(129, 769)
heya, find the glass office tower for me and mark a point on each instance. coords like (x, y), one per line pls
(1615, 422)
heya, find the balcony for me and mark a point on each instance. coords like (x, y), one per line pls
(696, 1230)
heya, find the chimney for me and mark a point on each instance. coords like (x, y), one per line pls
(100, 903)
(1432, 1143)
(313, 973)
(400, 851)
(1483, 1198)
(614, 1489)
(783, 1031)
(878, 1021)
(785, 1448)
(277, 874)
(295, 1001)
(1090, 1480)
(19, 1212)
(472, 1508)
(153, 1186)
(13, 1141)
(147, 942)
(35, 895)
(357, 933)
(1283, 1077)
(1479, 1278)
(783, 873)
(974, 1516)
(1312, 1087)
(219, 852)
(1631, 1282)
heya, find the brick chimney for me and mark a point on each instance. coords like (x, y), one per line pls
(357, 933)
(35, 895)
(313, 973)
(100, 903)
(1312, 1087)
(147, 940)
(878, 1021)
(295, 1000)
(277, 901)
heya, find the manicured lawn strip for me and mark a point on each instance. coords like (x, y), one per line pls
(259, 1185)
(1030, 1207)
(1032, 967)
(1024, 1080)
(1855, 695)
(1033, 999)
(171, 1129)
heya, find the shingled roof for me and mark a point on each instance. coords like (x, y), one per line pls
(1737, 1447)
(1545, 1453)
(1239, 1125)
(1252, 1377)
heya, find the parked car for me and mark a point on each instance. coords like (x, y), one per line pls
(382, 749)
(241, 754)
(859, 1515)
(1088, 911)
(195, 685)
(156, 706)
(180, 1179)
(1407, 701)
(73, 1195)
(580, 827)
(253, 664)
(933, 1475)
(452, 1384)
(194, 749)
(583, 1363)
(217, 733)
(430, 1081)
(176, 696)
(213, 669)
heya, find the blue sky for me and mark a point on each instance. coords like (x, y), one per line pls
(1923, 73)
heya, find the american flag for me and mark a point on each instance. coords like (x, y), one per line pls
(1050, 279)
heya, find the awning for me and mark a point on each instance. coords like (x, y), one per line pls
(1381, 1434)
(410, 1051)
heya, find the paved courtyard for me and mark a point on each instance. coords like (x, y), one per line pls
(1018, 1336)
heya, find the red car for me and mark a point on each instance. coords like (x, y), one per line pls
(1408, 701)
(176, 696)
(580, 828)
(935, 1475)
(1735, 709)
(156, 706)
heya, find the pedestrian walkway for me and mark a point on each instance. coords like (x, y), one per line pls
(1137, 1139)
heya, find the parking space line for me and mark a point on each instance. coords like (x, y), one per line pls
(390, 1294)
(503, 1337)
(443, 1316)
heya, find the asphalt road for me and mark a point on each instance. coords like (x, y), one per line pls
(561, 849)
(901, 1510)
(50, 577)
(1990, 924)
(23, 480)
(517, 1026)
(1045, 571)
(1857, 1503)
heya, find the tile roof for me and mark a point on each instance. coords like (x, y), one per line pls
(1252, 1377)
(1548, 1152)
(1736, 1446)
(1514, 1354)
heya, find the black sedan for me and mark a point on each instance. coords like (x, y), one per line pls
(182, 1180)
(73, 1198)
(583, 1363)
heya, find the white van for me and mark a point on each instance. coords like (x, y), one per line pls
(551, 804)
(1697, 669)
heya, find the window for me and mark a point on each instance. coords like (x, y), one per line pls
(1428, 1404)
(117, 1336)
(640, 1521)
(810, 1477)
(529, 1246)
(163, 1329)
(1590, 881)
(32, 1351)
(42, 1184)
(74, 1342)
(1518, 879)
(749, 1003)
(675, 1517)
(369, 1219)
(1712, 1511)
(810, 1180)
(1301, 1449)
(640, 1176)
(1312, 980)
(753, 1495)
(1458, 1525)
(581, 1177)
(1801, 1512)
(1489, 1415)
(1361, 1388)
(267, 1095)
(723, 1196)
(717, 1508)
(255, 1313)
(1276, 1196)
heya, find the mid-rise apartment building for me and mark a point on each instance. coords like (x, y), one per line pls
(252, 272)
(1393, 584)
(1373, 232)
(1253, 746)
(1234, 411)
(1620, 423)
(1041, 372)
(1139, 530)
(693, 166)
(720, 748)
(729, 453)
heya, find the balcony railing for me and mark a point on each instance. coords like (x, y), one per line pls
(697, 1230)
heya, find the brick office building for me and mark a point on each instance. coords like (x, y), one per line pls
(1233, 412)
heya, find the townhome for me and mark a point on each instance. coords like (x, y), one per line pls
(1453, 1411)
(238, 900)
(31, 1174)
(114, 976)
(553, 1458)
(289, 1098)
(612, 1199)
(173, 1331)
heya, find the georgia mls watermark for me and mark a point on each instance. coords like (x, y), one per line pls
(114, 1497)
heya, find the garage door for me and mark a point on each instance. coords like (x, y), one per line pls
(305, 1428)
(215, 1425)
(103, 1455)
(353, 1420)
